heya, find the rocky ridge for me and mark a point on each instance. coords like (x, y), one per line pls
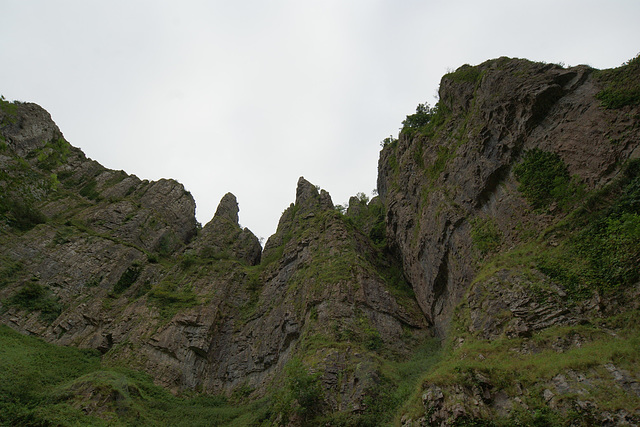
(110, 262)
(470, 239)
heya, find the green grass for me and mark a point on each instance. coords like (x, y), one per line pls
(170, 297)
(465, 74)
(42, 384)
(34, 297)
(408, 374)
(596, 248)
(10, 110)
(602, 245)
(505, 367)
(9, 271)
(485, 235)
(544, 179)
(30, 370)
(425, 121)
(53, 154)
(20, 212)
(621, 85)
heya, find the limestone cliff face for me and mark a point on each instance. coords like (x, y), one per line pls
(455, 245)
(435, 185)
(107, 261)
(511, 282)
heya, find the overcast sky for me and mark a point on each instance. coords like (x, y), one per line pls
(247, 96)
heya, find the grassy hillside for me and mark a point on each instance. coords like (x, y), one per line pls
(46, 385)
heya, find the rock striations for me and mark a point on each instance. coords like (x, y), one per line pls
(506, 228)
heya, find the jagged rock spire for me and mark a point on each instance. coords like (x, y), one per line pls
(307, 196)
(228, 208)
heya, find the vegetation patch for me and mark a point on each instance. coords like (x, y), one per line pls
(621, 85)
(425, 121)
(544, 179)
(46, 385)
(603, 250)
(503, 366)
(89, 190)
(10, 110)
(485, 235)
(170, 298)
(19, 212)
(9, 272)
(127, 278)
(302, 395)
(53, 154)
(35, 297)
(465, 74)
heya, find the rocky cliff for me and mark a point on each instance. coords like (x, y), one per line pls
(501, 203)
(506, 226)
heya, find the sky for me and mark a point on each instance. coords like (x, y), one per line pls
(246, 96)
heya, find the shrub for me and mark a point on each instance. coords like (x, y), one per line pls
(127, 279)
(53, 154)
(20, 214)
(89, 190)
(9, 271)
(604, 250)
(465, 73)
(544, 178)
(170, 298)
(485, 235)
(35, 297)
(10, 110)
(421, 117)
(621, 85)
(390, 141)
(302, 388)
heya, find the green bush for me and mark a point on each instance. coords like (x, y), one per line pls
(421, 117)
(20, 213)
(89, 190)
(46, 385)
(485, 235)
(127, 278)
(621, 85)
(9, 271)
(10, 110)
(603, 249)
(465, 73)
(170, 298)
(35, 297)
(544, 179)
(302, 395)
(53, 154)
(390, 141)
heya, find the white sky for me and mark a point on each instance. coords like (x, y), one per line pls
(248, 95)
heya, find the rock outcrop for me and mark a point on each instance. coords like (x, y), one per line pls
(435, 185)
(120, 265)
(223, 236)
(512, 282)
(506, 225)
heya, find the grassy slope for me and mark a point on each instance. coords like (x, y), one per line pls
(43, 384)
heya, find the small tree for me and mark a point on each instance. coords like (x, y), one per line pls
(421, 117)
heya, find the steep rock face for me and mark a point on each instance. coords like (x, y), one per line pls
(111, 262)
(537, 302)
(434, 184)
(532, 296)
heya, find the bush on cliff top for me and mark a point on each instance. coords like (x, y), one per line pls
(621, 85)
(425, 120)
